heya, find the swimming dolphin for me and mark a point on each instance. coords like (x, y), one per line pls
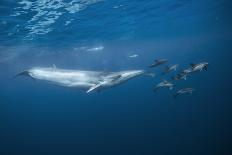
(169, 69)
(184, 91)
(133, 56)
(199, 67)
(186, 71)
(85, 80)
(192, 69)
(158, 62)
(164, 84)
(181, 75)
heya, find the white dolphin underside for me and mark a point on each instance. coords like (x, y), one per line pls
(87, 80)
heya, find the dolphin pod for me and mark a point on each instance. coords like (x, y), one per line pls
(97, 80)
(83, 80)
(203, 66)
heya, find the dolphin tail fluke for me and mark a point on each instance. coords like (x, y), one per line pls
(206, 68)
(24, 73)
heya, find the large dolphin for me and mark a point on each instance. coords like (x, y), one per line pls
(85, 80)
(199, 67)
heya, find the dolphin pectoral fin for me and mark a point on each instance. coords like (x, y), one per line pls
(93, 88)
(185, 77)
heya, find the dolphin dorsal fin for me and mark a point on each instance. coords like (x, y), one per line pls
(192, 64)
(116, 77)
(54, 66)
(93, 87)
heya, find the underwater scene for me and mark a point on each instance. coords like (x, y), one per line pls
(115, 77)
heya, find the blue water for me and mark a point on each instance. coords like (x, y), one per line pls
(130, 119)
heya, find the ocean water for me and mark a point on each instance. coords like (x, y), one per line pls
(111, 35)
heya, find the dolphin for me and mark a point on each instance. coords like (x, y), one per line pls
(199, 67)
(133, 56)
(158, 62)
(83, 80)
(180, 76)
(184, 91)
(164, 84)
(169, 69)
(192, 69)
(186, 71)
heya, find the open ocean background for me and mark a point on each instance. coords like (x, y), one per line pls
(37, 118)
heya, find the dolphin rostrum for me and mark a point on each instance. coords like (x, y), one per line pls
(86, 80)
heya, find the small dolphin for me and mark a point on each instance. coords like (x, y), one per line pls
(199, 67)
(184, 91)
(169, 69)
(186, 71)
(150, 74)
(180, 76)
(95, 49)
(158, 62)
(164, 84)
(183, 74)
(133, 56)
